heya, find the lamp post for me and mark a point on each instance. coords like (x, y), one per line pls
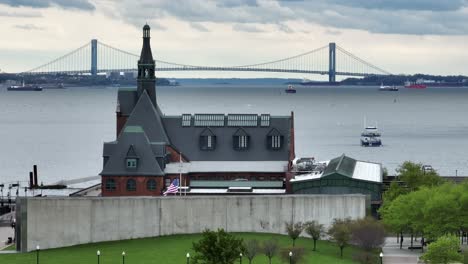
(240, 258)
(37, 254)
(98, 253)
(290, 257)
(381, 257)
(123, 257)
(188, 258)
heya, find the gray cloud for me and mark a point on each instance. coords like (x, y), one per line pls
(66, 4)
(29, 27)
(25, 14)
(417, 5)
(247, 28)
(415, 17)
(199, 27)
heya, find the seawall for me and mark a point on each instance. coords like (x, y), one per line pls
(60, 222)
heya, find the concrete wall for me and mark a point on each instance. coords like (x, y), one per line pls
(59, 222)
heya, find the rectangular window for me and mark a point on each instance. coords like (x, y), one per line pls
(209, 142)
(242, 142)
(209, 120)
(265, 120)
(186, 120)
(247, 120)
(167, 182)
(131, 163)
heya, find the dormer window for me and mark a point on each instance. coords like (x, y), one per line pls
(131, 159)
(274, 140)
(132, 163)
(241, 140)
(207, 140)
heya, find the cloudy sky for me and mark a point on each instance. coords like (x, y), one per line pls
(400, 36)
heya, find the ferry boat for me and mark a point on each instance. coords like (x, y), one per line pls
(370, 137)
(290, 89)
(392, 88)
(415, 85)
(24, 87)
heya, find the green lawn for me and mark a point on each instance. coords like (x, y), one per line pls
(169, 250)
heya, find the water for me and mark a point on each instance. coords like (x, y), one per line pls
(62, 131)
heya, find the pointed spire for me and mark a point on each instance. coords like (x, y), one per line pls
(146, 54)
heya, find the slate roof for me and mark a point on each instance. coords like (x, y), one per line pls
(132, 140)
(186, 140)
(148, 117)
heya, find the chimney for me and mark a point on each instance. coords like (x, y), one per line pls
(35, 176)
(31, 180)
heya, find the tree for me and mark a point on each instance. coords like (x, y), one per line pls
(443, 251)
(270, 248)
(217, 247)
(294, 230)
(340, 233)
(368, 233)
(314, 230)
(415, 176)
(251, 249)
(297, 255)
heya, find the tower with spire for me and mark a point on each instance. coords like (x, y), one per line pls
(146, 78)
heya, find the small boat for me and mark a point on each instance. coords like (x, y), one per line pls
(392, 88)
(24, 87)
(370, 137)
(415, 85)
(290, 89)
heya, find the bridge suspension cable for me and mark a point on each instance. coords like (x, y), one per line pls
(98, 57)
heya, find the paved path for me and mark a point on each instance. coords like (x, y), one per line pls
(394, 255)
(5, 232)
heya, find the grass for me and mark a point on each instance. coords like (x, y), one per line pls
(10, 247)
(170, 250)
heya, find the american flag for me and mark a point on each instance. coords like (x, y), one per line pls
(173, 188)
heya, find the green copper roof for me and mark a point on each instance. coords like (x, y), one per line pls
(133, 129)
(342, 165)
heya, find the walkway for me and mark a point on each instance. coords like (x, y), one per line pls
(394, 255)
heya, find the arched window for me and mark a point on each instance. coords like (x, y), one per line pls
(110, 185)
(131, 185)
(151, 185)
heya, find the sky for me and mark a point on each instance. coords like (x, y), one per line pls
(400, 36)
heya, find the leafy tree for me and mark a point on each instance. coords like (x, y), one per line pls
(298, 254)
(442, 211)
(465, 257)
(217, 247)
(415, 176)
(340, 233)
(294, 230)
(443, 251)
(314, 230)
(368, 234)
(270, 248)
(251, 249)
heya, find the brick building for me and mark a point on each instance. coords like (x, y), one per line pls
(209, 153)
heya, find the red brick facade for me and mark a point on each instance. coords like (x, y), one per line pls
(121, 120)
(141, 186)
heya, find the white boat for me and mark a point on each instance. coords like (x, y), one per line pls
(370, 137)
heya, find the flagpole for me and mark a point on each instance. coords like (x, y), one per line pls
(180, 172)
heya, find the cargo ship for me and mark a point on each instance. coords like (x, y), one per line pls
(415, 85)
(24, 87)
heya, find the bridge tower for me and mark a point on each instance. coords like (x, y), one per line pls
(332, 62)
(94, 57)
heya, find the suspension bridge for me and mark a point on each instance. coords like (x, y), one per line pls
(97, 57)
